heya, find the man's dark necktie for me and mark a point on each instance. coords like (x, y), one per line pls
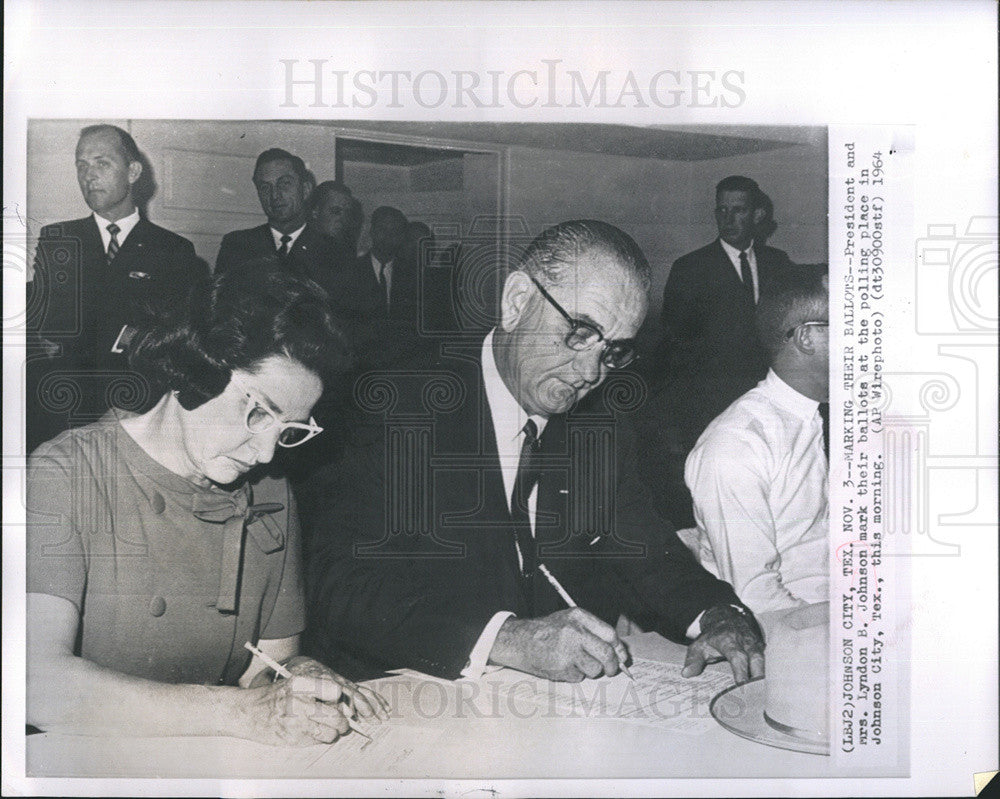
(824, 412)
(283, 249)
(527, 478)
(113, 245)
(745, 274)
(383, 283)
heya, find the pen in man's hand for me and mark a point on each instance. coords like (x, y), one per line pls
(619, 650)
(273, 664)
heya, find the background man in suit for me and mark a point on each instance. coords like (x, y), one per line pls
(391, 282)
(759, 473)
(385, 260)
(330, 213)
(710, 353)
(283, 187)
(427, 541)
(709, 301)
(96, 283)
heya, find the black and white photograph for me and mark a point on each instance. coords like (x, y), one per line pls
(431, 420)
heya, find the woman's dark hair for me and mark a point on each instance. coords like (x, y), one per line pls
(235, 321)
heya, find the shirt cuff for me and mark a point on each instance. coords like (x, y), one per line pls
(480, 654)
(694, 629)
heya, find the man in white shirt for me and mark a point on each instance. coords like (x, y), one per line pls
(758, 474)
(97, 281)
(477, 504)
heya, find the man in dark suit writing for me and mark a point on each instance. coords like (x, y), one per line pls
(96, 282)
(473, 481)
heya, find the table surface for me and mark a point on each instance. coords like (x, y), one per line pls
(502, 726)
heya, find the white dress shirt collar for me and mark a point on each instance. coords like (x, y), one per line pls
(383, 270)
(779, 392)
(277, 234)
(125, 225)
(508, 416)
(734, 252)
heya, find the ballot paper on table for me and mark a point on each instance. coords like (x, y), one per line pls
(394, 746)
(657, 695)
(389, 744)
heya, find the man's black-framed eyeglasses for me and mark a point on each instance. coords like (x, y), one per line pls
(583, 335)
(791, 330)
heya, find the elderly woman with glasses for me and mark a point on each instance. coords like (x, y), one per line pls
(157, 550)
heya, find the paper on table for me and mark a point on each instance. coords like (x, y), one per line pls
(657, 696)
(391, 744)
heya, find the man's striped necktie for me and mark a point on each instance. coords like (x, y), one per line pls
(113, 245)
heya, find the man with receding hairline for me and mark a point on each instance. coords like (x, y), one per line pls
(283, 185)
(475, 486)
(96, 282)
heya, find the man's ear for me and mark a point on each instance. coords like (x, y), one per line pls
(804, 338)
(515, 299)
(758, 215)
(134, 171)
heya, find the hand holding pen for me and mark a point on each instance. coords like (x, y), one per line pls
(330, 704)
(616, 642)
(568, 645)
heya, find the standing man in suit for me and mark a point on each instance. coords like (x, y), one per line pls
(330, 212)
(711, 353)
(428, 542)
(709, 302)
(96, 283)
(387, 264)
(283, 187)
(391, 281)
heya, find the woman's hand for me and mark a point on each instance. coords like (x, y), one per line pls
(361, 701)
(311, 707)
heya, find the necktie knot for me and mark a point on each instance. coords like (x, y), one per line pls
(285, 241)
(114, 230)
(531, 440)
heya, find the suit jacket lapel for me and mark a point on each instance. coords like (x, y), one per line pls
(725, 266)
(132, 248)
(93, 247)
(469, 437)
(304, 244)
